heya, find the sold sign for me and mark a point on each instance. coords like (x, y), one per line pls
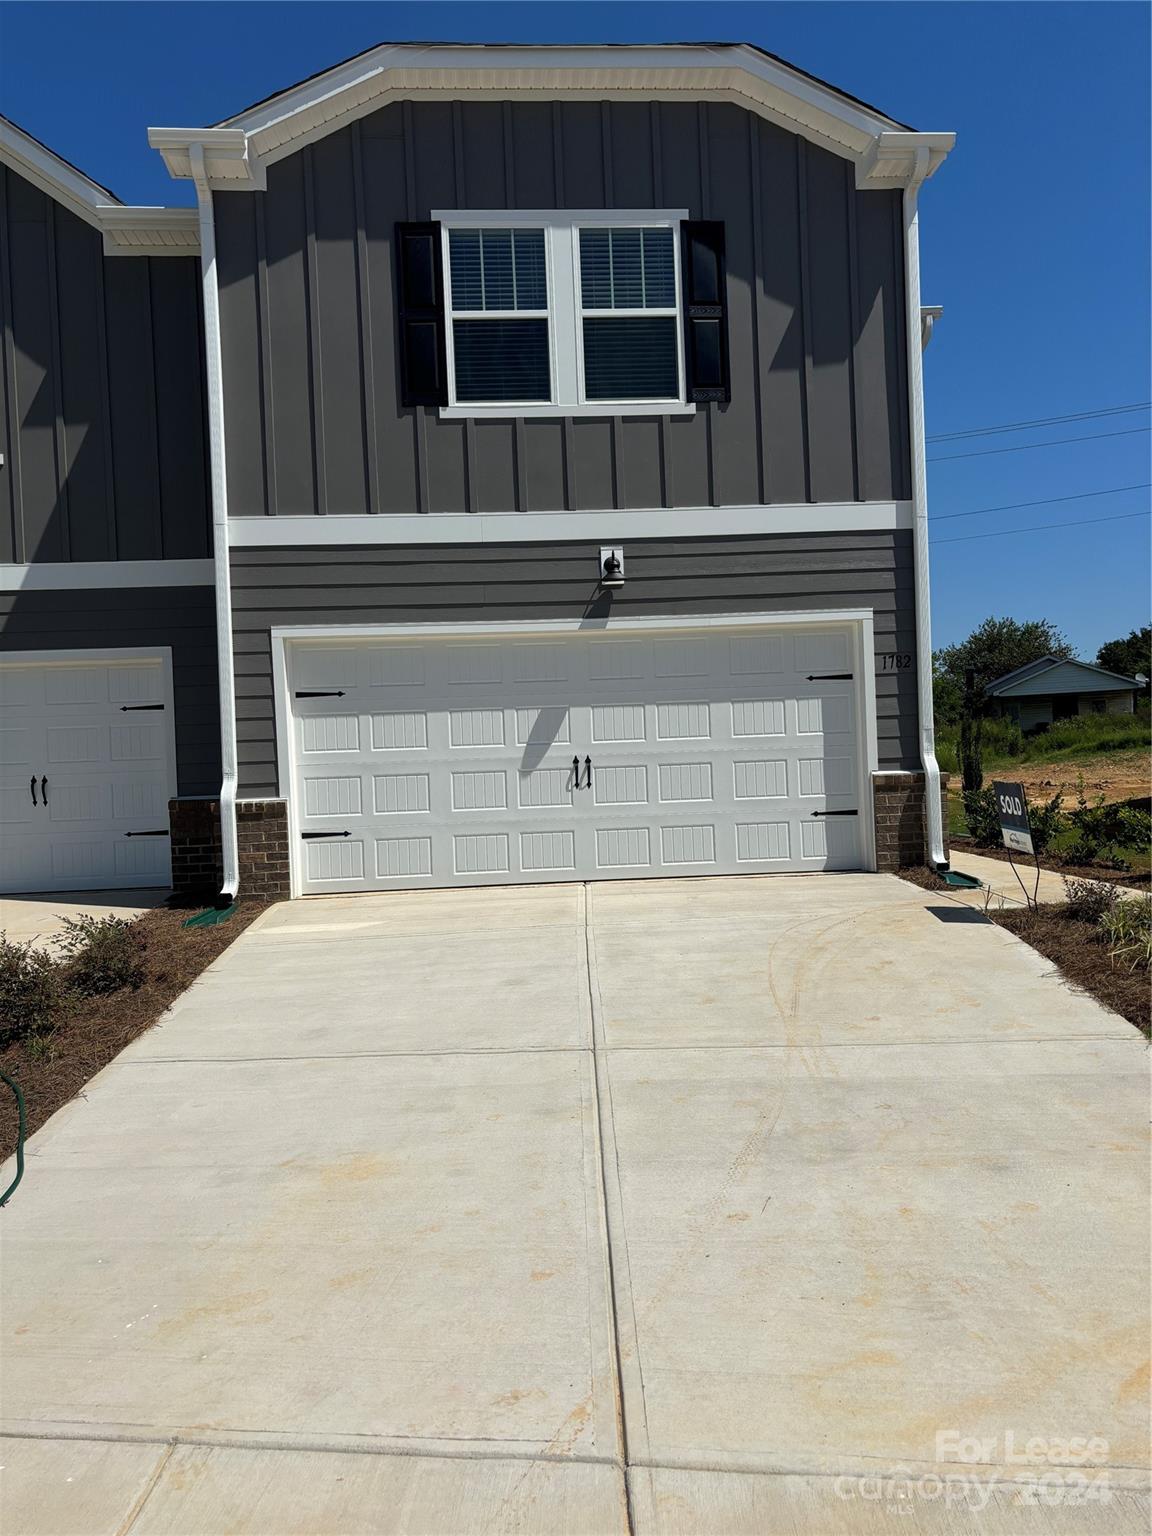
(1012, 808)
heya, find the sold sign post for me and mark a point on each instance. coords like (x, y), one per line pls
(1015, 828)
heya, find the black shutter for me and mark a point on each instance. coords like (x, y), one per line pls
(420, 285)
(705, 311)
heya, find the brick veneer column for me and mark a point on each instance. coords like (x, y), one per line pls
(262, 846)
(262, 838)
(197, 860)
(898, 801)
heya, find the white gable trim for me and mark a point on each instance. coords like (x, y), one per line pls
(236, 153)
(126, 231)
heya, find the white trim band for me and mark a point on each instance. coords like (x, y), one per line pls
(548, 527)
(78, 575)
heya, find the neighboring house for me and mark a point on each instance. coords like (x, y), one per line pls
(540, 430)
(1054, 688)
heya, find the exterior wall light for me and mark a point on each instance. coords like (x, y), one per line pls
(611, 566)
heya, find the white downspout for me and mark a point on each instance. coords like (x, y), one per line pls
(933, 814)
(224, 660)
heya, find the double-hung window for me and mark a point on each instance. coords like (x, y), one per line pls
(563, 313)
(498, 286)
(629, 313)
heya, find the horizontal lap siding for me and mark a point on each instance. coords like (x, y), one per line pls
(815, 293)
(475, 584)
(102, 415)
(183, 618)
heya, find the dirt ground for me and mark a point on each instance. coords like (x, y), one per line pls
(1115, 775)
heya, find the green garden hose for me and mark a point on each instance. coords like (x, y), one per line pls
(20, 1128)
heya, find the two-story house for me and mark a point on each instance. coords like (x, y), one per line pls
(512, 470)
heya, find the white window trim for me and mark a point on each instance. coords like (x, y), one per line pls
(565, 311)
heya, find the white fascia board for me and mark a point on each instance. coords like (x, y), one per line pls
(127, 231)
(891, 159)
(228, 157)
(150, 231)
(616, 527)
(81, 575)
(54, 176)
(236, 154)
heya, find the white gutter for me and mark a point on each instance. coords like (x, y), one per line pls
(932, 809)
(224, 660)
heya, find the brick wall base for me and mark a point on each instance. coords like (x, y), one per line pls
(262, 845)
(262, 839)
(898, 803)
(197, 861)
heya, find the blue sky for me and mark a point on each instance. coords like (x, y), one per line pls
(1035, 234)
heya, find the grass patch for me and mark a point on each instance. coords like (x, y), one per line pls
(1004, 745)
(65, 1015)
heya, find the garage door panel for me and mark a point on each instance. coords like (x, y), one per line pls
(76, 685)
(708, 752)
(548, 852)
(332, 794)
(401, 794)
(546, 788)
(403, 858)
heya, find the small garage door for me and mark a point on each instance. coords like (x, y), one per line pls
(85, 774)
(468, 761)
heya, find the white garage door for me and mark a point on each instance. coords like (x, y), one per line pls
(86, 769)
(474, 760)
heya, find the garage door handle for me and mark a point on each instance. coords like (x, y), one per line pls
(829, 677)
(32, 787)
(44, 789)
(588, 768)
(835, 813)
(309, 837)
(155, 832)
(576, 773)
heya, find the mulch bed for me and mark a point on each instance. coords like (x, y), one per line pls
(1073, 946)
(55, 1068)
(1138, 879)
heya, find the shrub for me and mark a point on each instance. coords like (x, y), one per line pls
(982, 818)
(100, 954)
(35, 994)
(1048, 821)
(1127, 930)
(1089, 900)
(1102, 830)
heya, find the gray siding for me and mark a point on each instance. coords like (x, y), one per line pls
(181, 617)
(815, 291)
(448, 583)
(102, 422)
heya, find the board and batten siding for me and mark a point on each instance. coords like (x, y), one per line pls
(183, 618)
(476, 584)
(308, 298)
(102, 403)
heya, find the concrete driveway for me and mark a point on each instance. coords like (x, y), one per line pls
(757, 1205)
